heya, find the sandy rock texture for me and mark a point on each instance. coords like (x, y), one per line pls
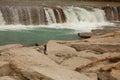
(95, 58)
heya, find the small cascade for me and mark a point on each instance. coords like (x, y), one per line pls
(59, 15)
(50, 15)
(37, 15)
(77, 14)
(112, 13)
(2, 22)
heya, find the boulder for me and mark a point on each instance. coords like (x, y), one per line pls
(85, 35)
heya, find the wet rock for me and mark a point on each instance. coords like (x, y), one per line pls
(97, 32)
(105, 30)
(85, 35)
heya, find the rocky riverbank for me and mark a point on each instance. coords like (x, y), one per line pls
(97, 32)
(96, 58)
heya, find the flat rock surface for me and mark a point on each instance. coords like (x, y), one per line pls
(59, 52)
(27, 63)
(7, 78)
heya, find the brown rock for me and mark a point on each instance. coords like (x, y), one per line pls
(88, 55)
(29, 64)
(9, 46)
(105, 43)
(97, 32)
(93, 76)
(105, 30)
(59, 52)
(85, 35)
(115, 74)
(7, 78)
(111, 66)
(5, 69)
(74, 62)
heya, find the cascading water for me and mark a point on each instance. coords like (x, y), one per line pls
(1, 19)
(68, 16)
(35, 24)
(40, 15)
(112, 13)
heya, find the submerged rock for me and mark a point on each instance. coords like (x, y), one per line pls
(85, 35)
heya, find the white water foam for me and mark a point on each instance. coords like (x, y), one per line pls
(81, 26)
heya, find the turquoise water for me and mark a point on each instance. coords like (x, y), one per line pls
(37, 35)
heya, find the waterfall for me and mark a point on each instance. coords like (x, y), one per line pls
(36, 15)
(1, 19)
(50, 15)
(112, 13)
(77, 14)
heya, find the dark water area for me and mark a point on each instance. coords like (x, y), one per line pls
(38, 35)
